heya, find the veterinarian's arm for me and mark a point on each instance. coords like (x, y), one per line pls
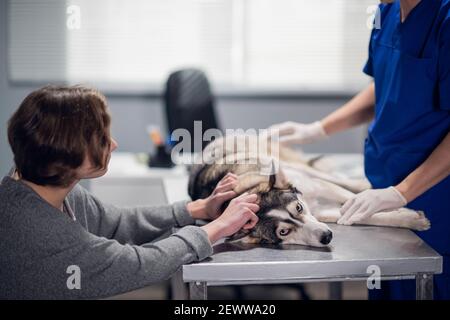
(357, 111)
(435, 169)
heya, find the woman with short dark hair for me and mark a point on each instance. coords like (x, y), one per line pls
(50, 226)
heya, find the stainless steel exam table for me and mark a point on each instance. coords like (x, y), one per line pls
(397, 253)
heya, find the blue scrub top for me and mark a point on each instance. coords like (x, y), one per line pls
(410, 64)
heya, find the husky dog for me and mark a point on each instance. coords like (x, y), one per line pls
(296, 197)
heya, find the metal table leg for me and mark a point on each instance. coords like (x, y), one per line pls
(335, 290)
(424, 286)
(198, 291)
(178, 287)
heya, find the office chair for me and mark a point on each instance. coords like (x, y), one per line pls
(188, 98)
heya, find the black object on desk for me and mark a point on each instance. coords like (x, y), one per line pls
(161, 158)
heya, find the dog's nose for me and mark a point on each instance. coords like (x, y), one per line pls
(326, 237)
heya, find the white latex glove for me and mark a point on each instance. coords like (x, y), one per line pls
(369, 202)
(299, 133)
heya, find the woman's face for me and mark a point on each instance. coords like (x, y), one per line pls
(88, 171)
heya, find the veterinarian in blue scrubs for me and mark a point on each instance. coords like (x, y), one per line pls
(407, 150)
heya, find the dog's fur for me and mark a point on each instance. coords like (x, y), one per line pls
(296, 197)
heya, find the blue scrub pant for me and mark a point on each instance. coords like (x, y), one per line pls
(436, 204)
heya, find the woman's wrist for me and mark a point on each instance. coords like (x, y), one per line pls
(404, 189)
(327, 126)
(319, 130)
(214, 231)
(197, 208)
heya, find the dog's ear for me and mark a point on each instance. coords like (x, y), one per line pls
(278, 179)
(245, 236)
(273, 174)
(239, 235)
(272, 180)
(281, 180)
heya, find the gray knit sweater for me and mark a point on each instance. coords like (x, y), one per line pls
(112, 248)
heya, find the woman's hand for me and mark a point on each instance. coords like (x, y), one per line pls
(241, 213)
(369, 202)
(209, 208)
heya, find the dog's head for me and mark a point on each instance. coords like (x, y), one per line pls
(284, 216)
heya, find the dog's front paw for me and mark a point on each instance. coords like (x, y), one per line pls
(421, 223)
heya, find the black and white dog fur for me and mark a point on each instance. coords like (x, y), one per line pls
(296, 197)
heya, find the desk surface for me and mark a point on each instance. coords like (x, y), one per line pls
(399, 253)
(131, 165)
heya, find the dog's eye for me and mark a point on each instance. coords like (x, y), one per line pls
(284, 232)
(299, 208)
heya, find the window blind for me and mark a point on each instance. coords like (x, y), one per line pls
(255, 44)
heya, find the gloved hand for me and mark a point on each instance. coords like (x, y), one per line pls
(292, 132)
(369, 202)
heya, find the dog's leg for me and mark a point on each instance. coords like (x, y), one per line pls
(317, 188)
(332, 192)
(354, 185)
(327, 215)
(403, 218)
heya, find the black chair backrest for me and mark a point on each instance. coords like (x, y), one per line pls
(188, 98)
